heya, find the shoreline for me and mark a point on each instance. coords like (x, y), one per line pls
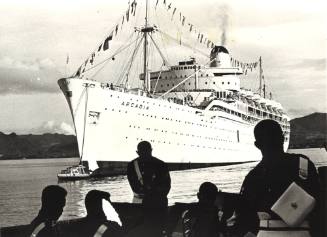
(69, 157)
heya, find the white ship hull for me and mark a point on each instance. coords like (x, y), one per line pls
(109, 124)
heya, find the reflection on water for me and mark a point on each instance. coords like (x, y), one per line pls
(22, 182)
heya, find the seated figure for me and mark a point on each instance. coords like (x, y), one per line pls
(202, 220)
(53, 202)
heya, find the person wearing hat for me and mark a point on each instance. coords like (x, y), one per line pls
(270, 181)
(202, 220)
(53, 202)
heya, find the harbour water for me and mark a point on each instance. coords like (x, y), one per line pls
(22, 181)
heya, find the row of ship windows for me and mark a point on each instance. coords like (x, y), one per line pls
(187, 122)
(182, 134)
(194, 84)
(177, 108)
(181, 76)
(184, 144)
(251, 119)
(179, 121)
(244, 117)
(185, 67)
(247, 117)
(147, 102)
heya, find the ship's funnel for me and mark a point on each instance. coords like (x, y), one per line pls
(219, 57)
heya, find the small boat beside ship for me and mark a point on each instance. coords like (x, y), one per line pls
(76, 172)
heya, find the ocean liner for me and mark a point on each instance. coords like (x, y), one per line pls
(194, 113)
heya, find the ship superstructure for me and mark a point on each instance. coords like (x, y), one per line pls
(194, 114)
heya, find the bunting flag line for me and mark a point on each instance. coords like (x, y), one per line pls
(106, 42)
(133, 7)
(92, 58)
(172, 16)
(105, 45)
(201, 38)
(116, 30)
(246, 67)
(127, 15)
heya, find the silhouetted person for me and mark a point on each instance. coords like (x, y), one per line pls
(96, 222)
(266, 182)
(53, 202)
(150, 181)
(202, 219)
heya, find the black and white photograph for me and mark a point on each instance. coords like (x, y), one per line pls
(163, 118)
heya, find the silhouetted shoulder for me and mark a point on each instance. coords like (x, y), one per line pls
(293, 157)
(257, 170)
(134, 160)
(130, 164)
(158, 160)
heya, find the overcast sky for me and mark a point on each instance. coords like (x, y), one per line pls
(36, 36)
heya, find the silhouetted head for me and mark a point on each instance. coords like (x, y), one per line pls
(93, 202)
(144, 149)
(269, 137)
(53, 202)
(207, 193)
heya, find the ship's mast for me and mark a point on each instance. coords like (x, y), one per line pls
(262, 84)
(146, 30)
(260, 76)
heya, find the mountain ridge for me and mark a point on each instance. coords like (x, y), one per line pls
(309, 131)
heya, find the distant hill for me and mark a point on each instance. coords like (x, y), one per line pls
(13, 146)
(309, 131)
